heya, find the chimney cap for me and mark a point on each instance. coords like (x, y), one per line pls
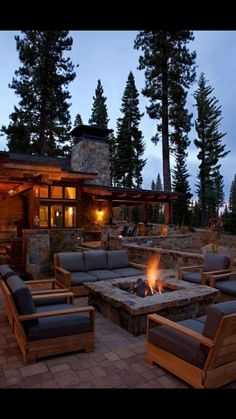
(90, 131)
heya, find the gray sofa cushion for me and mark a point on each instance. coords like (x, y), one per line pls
(123, 272)
(102, 274)
(21, 295)
(71, 261)
(49, 301)
(227, 287)
(178, 344)
(56, 326)
(6, 271)
(215, 314)
(77, 278)
(215, 262)
(117, 259)
(95, 259)
(194, 277)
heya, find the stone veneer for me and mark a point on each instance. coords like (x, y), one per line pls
(92, 155)
(130, 311)
(40, 245)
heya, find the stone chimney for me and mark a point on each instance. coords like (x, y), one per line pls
(90, 153)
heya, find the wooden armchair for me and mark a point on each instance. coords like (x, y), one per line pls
(213, 264)
(47, 330)
(201, 351)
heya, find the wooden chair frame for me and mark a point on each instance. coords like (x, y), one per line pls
(220, 365)
(31, 350)
(198, 268)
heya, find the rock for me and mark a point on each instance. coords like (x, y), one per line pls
(212, 248)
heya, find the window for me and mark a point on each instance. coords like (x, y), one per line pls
(56, 192)
(70, 216)
(43, 216)
(43, 191)
(56, 216)
(70, 192)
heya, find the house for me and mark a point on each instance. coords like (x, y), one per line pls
(42, 196)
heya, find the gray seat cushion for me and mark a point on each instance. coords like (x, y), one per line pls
(6, 271)
(178, 344)
(78, 278)
(215, 262)
(227, 287)
(71, 261)
(123, 272)
(102, 274)
(56, 326)
(215, 314)
(49, 301)
(194, 277)
(117, 259)
(95, 259)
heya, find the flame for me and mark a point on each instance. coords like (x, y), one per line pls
(152, 272)
(160, 286)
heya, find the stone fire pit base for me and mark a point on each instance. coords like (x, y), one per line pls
(130, 311)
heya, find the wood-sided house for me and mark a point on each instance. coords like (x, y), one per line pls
(54, 193)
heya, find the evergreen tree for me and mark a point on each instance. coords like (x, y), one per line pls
(210, 147)
(41, 82)
(153, 185)
(78, 120)
(159, 186)
(130, 147)
(181, 121)
(219, 192)
(99, 115)
(168, 66)
(112, 153)
(232, 196)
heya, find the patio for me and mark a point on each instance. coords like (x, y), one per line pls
(117, 362)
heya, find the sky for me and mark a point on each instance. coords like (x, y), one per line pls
(110, 56)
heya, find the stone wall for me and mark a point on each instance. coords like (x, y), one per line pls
(169, 259)
(91, 155)
(39, 247)
(173, 242)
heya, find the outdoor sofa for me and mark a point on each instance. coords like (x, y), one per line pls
(74, 269)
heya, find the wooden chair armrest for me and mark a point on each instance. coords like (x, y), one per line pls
(137, 265)
(61, 270)
(52, 295)
(42, 314)
(48, 291)
(224, 276)
(179, 328)
(40, 281)
(187, 268)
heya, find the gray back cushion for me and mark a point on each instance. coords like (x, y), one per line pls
(21, 295)
(215, 262)
(117, 259)
(6, 271)
(214, 315)
(95, 259)
(71, 261)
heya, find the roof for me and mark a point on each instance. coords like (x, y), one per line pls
(87, 131)
(63, 162)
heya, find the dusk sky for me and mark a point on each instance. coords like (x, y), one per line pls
(110, 56)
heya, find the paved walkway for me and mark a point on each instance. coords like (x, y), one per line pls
(118, 361)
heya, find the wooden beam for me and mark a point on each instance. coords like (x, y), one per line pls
(19, 189)
(122, 195)
(96, 190)
(34, 167)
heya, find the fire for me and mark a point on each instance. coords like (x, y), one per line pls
(152, 273)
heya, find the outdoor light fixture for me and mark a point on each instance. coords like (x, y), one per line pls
(57, 213)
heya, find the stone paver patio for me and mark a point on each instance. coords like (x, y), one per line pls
(118, 361)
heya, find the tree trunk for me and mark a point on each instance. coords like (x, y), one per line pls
(165, 132)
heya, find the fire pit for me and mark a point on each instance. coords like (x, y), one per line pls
(141, 288)
(116, 300)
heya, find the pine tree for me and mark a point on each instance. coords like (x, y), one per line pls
(78, 120)
(210, 147)
(130, 147)
(159, 186)
(99, 115)
(181, 121)
(41, 82)
(232, 196)
(219, 192)
(153, 185)
(168, 66)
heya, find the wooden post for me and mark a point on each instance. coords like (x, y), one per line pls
(145, 214)
(168, 212)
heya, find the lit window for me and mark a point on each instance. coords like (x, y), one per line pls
(70, 192)
(70, 216)
(43, 216)
(43, 191)
(56, 216)
(56, 191)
